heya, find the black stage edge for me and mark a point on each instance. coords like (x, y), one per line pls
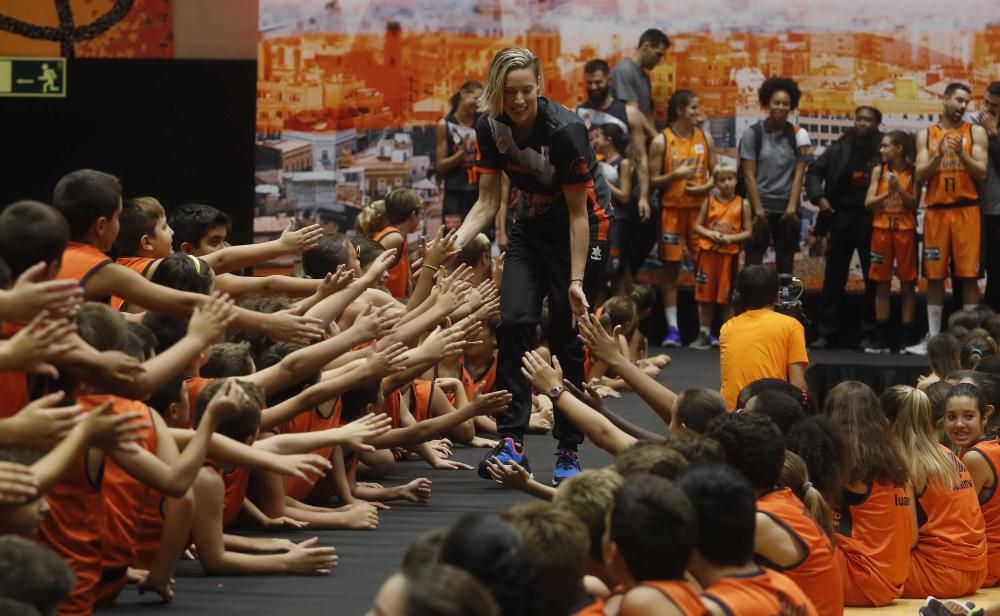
(828, 368)
(179, 130)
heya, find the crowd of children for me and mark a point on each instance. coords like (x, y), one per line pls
(153, 398)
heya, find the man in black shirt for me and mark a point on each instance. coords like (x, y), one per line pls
(557, 245)
(837, 182)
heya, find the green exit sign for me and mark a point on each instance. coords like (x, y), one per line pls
(33, 77)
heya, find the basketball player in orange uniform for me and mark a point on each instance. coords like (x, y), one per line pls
(400, 216)
(648, 541)
(951, 158)
(723, 223)
(723, 558)
(893, 197)
(680, 159)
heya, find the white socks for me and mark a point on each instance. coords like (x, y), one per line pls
(934, 319)
(671, 314)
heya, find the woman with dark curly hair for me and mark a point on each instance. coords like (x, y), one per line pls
(773, 154)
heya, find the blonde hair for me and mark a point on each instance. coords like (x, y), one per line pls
(722, 168)
(918, 438)
(795, 476)
(505, 61)
(371, 218)
(589, 496)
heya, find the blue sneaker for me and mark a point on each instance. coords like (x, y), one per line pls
(673, 338)
(506, 451)
(715, 341)
(567, 465)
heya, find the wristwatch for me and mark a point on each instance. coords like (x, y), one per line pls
(556, 392)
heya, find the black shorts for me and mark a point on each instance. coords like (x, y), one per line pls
(458, 202)
(777, 232)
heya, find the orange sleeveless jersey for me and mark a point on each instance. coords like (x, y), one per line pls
(952, 184)
(136, 264)
(75, 524)
(195, 385)
(236, 481)
(14, 386)
(391, 408)
(421, 399)
(874, 533)
(123, 496)
(952, 529)
(680, 594)
(399, 274)
(311, 421)
(989, 503)
(893, 214)
(817, 574)
(678, 150)
(726, 217)
(80, 262)
(764, 592)
(488, 378)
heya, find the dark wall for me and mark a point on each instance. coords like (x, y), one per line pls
(178, 130)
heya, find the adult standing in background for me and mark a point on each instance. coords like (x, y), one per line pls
(774, 153)
(629, 81)
(557, 246)
(989, 193)
(456, 155)
(838, 182)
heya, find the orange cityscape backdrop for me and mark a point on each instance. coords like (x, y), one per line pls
(349, 90)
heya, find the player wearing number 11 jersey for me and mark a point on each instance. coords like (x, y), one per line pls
(951, 158)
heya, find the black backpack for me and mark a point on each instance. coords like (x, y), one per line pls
(758, 134)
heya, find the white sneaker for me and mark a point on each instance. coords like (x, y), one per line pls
(918, 349)
(702, 343)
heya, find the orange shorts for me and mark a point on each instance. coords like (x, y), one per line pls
(676, 232)
(951, 234)
(108, 591)
(864, 583)
(713, 278)
(889, 246)
(927, 577)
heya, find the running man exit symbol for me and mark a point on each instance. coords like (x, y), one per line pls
(33, 77)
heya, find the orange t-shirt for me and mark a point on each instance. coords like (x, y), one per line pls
(311, 421)
(989, 504)
(680, 593)
(874, 534)
(725, 217)
(763, 592)
(123, 496)
(817, 574)
(692, 150)
(80, 262)
(136, 264)
(893, 214)
(399, 274)
(951, 525)
(755, 345)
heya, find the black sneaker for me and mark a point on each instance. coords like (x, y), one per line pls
(507, 450)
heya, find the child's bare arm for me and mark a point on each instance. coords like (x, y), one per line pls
(233, 258)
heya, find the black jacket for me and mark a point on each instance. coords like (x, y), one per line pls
(825, 175)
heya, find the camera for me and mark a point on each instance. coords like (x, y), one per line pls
(790, 290)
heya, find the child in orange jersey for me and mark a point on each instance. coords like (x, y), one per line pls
(145, 238)
(893, 198)
(787, 538)
(555, 546)
(91, 203)
(589, 496)
(649, 537)
(724, 546)
(33, 575)
(876, 520)
(388, 222)
(966, 416)
(949, 559)
(723, 223)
